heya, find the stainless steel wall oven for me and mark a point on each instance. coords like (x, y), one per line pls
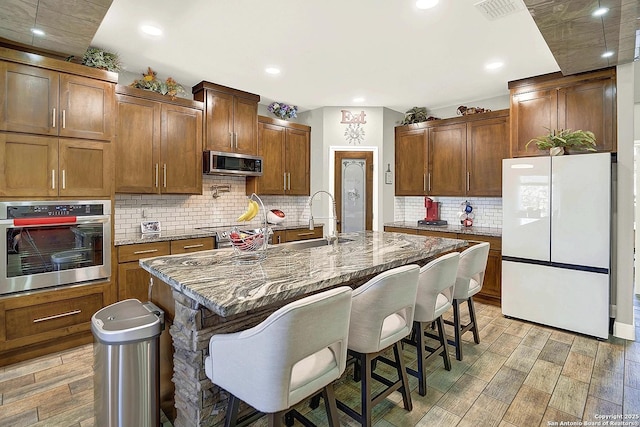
(52, 243)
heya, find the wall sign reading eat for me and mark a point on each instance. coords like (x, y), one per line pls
(354, 133)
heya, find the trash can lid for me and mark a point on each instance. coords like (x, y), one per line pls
(125, 321)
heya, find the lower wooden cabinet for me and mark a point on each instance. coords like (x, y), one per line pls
(46, 321)
(133, 280)
(296, 234)
(492, 286)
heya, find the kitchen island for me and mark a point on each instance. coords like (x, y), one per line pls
(213, 293)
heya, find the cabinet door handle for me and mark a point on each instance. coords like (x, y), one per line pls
(156, 175)
(284, 181)
(310, 233)
(278, 239)
(64, 119)
(231, 140)
(288, 181)
(53, 117)
(468, 181)
(53, 179)
(236, 138)
(424, 182)
(64, 179)
(193, 246)
(164, 175)
(146, 251)
(429, 181)
(57, 316)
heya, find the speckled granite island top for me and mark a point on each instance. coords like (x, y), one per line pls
(216, 281)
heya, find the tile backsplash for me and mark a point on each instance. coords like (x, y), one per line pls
(487, 210)
(183, 212)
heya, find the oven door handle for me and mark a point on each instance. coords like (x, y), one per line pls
(34, 222)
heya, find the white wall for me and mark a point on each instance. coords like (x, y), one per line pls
(624, 215)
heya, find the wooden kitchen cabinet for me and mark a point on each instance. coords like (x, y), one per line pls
(47, 102)
(584, 101)
(158, 143)
(297, 234)
(285, 149)
(461, 156)
(133, 280)
(46, 321)
(231, 118)
(487, 146)
(411, 161)
(44, 166)
(447, 159)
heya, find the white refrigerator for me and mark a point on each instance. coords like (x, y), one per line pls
(556, 241)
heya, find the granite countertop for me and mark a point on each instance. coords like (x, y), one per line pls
(192, 233)
(450, 228)
(215, 280)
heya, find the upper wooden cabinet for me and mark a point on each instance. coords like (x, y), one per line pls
(48, 166)
(47, 102)
(285, 149)
(231, 118)
(461, 156)
(158, 143)
(584, 101)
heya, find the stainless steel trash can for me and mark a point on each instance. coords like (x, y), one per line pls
(126, 364)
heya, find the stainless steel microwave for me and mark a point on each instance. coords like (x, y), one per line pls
(219, 163)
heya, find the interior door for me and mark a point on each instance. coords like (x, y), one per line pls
(354, 190)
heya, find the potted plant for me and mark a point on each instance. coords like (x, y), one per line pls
(99, 58)
(558, 140)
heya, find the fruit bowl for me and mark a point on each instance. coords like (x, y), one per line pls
(246, 241)
(275, 216)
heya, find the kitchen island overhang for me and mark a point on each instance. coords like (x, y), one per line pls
(214, 294)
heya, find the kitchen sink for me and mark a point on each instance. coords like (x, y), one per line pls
(313, 243)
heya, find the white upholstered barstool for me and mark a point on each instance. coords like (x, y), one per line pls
(381, 316)
(434, 298)
(295, 352)
(471, 269)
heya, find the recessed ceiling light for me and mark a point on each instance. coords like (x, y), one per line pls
(494, 65)
(151, 30)
(272, 70)
(358, 99)
(37, 32)
(608, 54)
(426, 4)
(600, 11)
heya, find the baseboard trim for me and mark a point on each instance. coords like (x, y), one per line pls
(624, 331)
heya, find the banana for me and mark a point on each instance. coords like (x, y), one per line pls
(250, 213)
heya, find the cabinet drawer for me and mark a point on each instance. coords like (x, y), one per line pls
(191, 245)
(437, 234)
(303, 234)
(27, 321)
(135, 252)
(401, 230)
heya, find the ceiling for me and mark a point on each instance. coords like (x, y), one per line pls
(388, 52)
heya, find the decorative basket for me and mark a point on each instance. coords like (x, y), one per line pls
(246, 241)
(250, 246)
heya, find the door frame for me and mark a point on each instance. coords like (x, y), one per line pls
(332, 160)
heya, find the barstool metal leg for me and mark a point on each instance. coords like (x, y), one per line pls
(472, 315)
(330, 406)
(443, 343)
(402, 373)
(231, 417)
(457, 326)
(419, 340)
(365, 389)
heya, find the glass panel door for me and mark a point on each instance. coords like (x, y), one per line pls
(353, 195)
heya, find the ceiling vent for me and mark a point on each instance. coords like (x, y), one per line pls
(495, 9)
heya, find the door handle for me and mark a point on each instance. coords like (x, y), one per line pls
(53, 117)
(231, 140)
(64, 179)
(164, 175)
(468, 181)
(284, 181)
(193, 246)
(156, 175)
(146, 251)
(64, 119)
(424, 182)
(57, 316)
(288, 181)
(429, 181)
(236, 138)
(53, 179)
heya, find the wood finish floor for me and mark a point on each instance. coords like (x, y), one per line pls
(521, 374)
